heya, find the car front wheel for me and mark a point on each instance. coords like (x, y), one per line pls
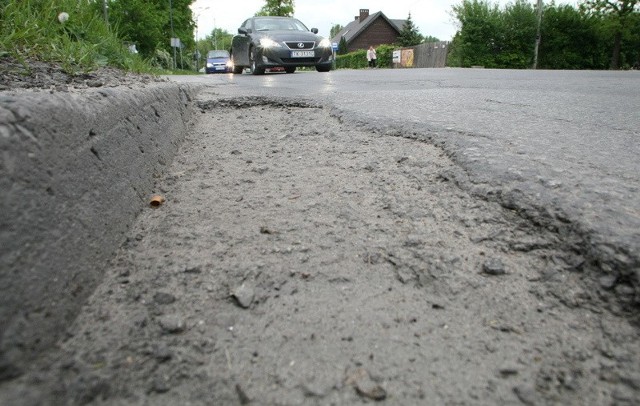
(253, 65)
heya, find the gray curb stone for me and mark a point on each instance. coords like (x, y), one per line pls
(75, 171)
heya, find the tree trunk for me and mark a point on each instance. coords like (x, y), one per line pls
(615, 57)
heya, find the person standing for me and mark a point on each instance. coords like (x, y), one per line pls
(371, 56)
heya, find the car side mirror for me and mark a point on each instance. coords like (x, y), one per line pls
(242, 31)
(314, 30)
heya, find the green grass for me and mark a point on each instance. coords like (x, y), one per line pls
(30, 30)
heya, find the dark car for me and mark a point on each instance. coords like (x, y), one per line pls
(279, 43)
(218, 61)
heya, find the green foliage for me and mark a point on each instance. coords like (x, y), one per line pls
(618, 18)
(335, 30)
(358, 59)
(478, 39)
(409, 35)
(570, 40)
(492, 37)
(518, 24)
(32, 30)
(219, 39)
(162, 59)
(430, 38)
(352, 60)
(342, 46)
(385, 55)
(283, 8)
(148, 23)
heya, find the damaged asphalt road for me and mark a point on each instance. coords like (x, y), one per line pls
(343, 259)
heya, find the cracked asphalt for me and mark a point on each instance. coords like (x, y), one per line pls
(330, 263)
(404, 238)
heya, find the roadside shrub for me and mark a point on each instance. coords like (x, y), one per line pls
(162, 59)
(385, 55)
(352, 60)
(358, 59)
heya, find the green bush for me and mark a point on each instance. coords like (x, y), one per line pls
(352, 60)
(31, 29)
(358, 59)
(385, 55)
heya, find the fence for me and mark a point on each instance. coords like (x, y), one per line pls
(427, 55)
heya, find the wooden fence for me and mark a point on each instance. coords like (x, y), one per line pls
(427, 55)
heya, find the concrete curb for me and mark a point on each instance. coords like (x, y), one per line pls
(75, 171)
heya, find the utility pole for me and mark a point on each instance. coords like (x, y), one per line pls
(537, 46)
(172, 34)
(197, 53)
(105, 8)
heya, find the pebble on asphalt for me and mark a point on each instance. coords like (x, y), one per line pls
(172, 324)
(494, 267)
(365, 386)
(243, 295)
(164, 298)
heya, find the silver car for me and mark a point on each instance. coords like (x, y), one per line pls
(279, 43)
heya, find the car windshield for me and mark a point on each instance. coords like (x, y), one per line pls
(218, 54)
(279, 24)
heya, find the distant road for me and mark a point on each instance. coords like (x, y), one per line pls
(562, 147)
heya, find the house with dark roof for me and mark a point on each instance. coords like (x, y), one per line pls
(369, 29)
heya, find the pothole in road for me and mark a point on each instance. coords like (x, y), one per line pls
(297, 257)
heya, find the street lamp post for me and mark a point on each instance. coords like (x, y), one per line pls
(197, 23)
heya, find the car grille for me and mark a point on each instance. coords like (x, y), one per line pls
(295, 44)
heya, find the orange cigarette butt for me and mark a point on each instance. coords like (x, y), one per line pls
(156, 200)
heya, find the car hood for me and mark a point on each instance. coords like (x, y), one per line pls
(289, 36)
(221, 59)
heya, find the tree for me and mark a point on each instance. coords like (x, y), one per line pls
(516, 46)
(431, 38)
(219, 39)
(478, 38)
(342, 46)
(619, 17)
(571, 40)
(283, 8)
(147, 23)
(335, 30)
(409, 35)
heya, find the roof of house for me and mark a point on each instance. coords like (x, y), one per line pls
(356, 27)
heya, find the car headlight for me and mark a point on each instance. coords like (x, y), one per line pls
(325, 43)
(209, 65)
(269, 43)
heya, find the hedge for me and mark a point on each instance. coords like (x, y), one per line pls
(358, 59)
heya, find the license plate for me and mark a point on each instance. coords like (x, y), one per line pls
(303, 54)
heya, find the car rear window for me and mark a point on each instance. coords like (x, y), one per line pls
(218, 54)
